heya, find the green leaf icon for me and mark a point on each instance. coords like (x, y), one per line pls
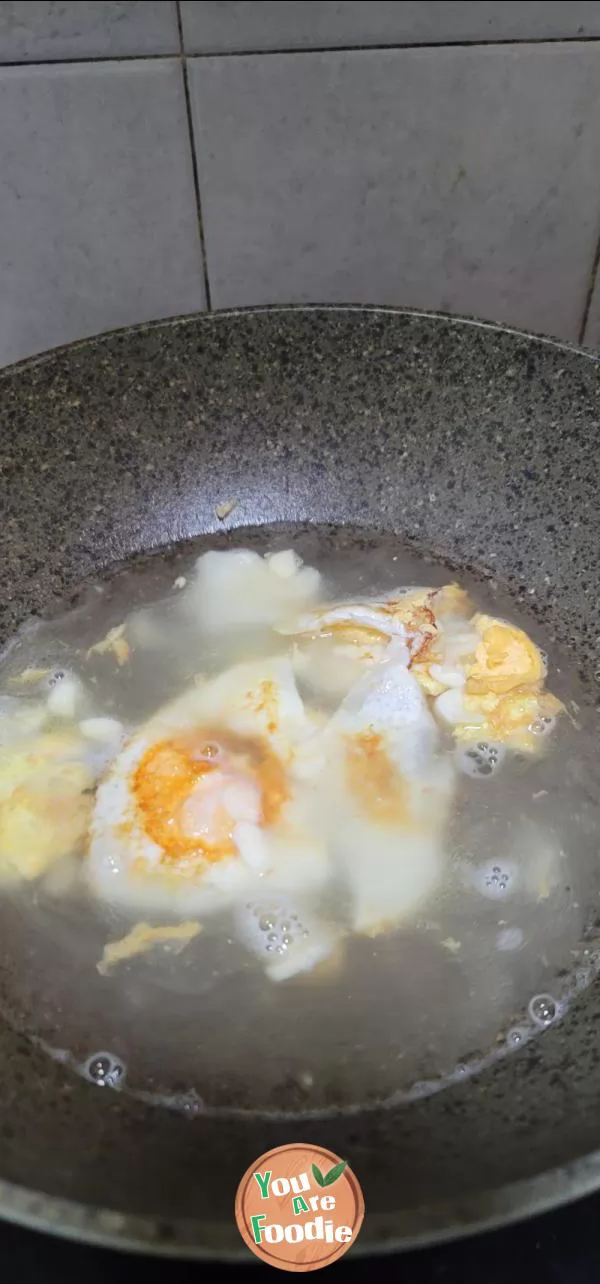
(334, 1173)
(318, 1176)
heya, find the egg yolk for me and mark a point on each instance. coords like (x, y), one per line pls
(505, 658)
(373, 779)
(355, 632)
(510, 717)
(44, 804)
(192, 791)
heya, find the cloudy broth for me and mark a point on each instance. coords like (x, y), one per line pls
(485, 959)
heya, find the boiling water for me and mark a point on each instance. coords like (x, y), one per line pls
(490, 960)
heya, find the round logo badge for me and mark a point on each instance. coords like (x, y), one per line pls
(299, 1207)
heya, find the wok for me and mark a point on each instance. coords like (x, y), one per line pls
(453, 437)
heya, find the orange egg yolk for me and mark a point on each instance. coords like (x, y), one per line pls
(188, 791)
(505, 658)
(373, 780)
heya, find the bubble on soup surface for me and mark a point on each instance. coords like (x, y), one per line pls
(543, 1009)
(287, 939)
(481, 759)
(495, 880)
(542, 726)
(57, 675)
(270, 927)
(104, 1069)
(519, 1035)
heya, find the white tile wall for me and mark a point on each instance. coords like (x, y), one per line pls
(464, 175)
(98, 221)
(33, 31)
(215, 27)
(466, 179)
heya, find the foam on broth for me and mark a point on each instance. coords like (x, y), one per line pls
(486, 963)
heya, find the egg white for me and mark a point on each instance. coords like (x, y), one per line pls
(336, 643)
(257, 700)
(239, 588)
(391, 862)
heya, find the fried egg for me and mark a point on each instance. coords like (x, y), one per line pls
(45, 802)
(500, 695)
(387, 794)
(214, 798)
(239, 588)
(336, 644)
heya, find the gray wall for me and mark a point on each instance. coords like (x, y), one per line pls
(158, 158)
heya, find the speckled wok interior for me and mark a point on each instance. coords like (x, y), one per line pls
(465, 439)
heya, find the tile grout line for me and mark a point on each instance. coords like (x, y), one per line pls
(307, 49)
(594, 277)
(395, 45)
(77, 62)
(192, 145)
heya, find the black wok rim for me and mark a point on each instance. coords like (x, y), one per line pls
(425, 1225)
